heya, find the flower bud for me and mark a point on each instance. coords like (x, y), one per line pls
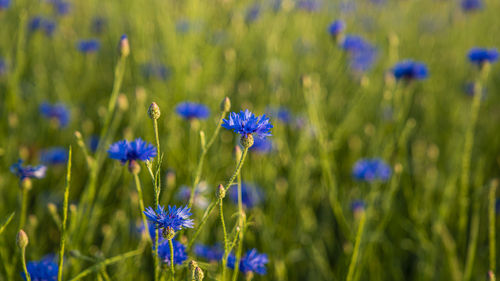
(134, 167)
(247, 140)
(154, 111)
(22, 239)
(225, 106)
(193, 265)
(198, 274)
(169, 233)
(221, 192)
(124, 47)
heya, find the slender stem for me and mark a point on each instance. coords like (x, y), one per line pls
(141, 201)
(226, 241)
(7, 221)
(242, 222)
(23, 260)
(492, 232)
(355, 253)
(24, 206)
(237, 170)
(157, 137)
(172, 266)
(157, 187)
(65, 218)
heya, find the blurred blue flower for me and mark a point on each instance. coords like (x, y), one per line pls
(45, 269)
(191, 110)
(262, 146)
(251, 195)
(155, 70)
(246, 123)
(98, 25)
(39, 23)
(410, 70)
(252, 13)
(4, 4)
(252, 261)
(88, 46)
(336, 28)
(371, 170)
(61, 7)
(180, 254)
(176, 218)
(132, 151)
(354, 43)
(54, 156)
(58, 112)
(211, 253)
(480, 56)
(93, 143)
(362, 54)
(199, 198)
(358, 205)
(282, 114)
(471, 5)
(36, 172)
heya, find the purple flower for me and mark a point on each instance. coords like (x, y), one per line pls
(410, 70)
(480, 56)
(370, 170)
(336, 28)
(471, 5)
(45, 269)
(180, 254)
(175, 218)
(251, 195)
(246, 123)
(137, 150)
(88, 46)
(252, 261)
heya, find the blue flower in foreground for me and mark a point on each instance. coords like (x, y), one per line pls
(211, 253)
(88, 46)
(180, 254)
(252, 261)
(54, 156)
(36, 172)
(262, 146)
(336, 28)
(4, 4)
(137, 150)
(480, 56)
(410, 70)
(45, 269)
(191, 110)
(176, 218)
(246, 123)
(471, 5)
(371, 169)
(251, 195)
(39, 23)
(58, 112)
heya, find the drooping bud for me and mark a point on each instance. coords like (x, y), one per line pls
(169, 233)
(221, 192)
(134, 167)
(198, 274)
(124, 47)
(22, 239)
(154, 111)
(247, 140)
(225, 106)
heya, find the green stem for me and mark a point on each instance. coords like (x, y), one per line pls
(24, 207)
(172, 266)
(226, 242)
(65, 218)
(354, 258)
(23, 260)
(157, 187)
(141, 201)
(7, 221)
(492, 232)
(242, 223)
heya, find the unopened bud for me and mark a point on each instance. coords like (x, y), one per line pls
(247, 140)
(124, 47)
(154, 111)
(134, 167)
(221, 192)
(193, 265)
(198, 274)
(225, 106)
(22, 239)
(169, 233)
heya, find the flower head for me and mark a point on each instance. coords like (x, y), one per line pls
(36, 172)
(137, 150)
(336, 28)
(371, 169)
(175, 218)
(58, 112)
(480, 56)
(191, 110)
(362, 54)
(246, 123)
(4, 4)
(251, 195)
(54, 156)
(180, 254)
(88, 46)
(410, 70)
(43, 270)
(211, 253)
(471, 5)
(252, 261)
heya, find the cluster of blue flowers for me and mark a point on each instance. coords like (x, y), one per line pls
(46, 25)
(370, 170)
(45, 269)
(246, 123)
(191, 110)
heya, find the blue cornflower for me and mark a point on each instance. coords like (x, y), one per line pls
(358, 205)
(471, 5)
(58, 112)
(362, 54)
(88, 46)
(4, 4)
(480, 56)
(61, 7)
(155, 70)
(252, 261)
(211, 253)
(262, 146)
(137, 150)
(175, 218)
(180, 254)
(48, 26)
(3, 67)
(246, 123)
(371, 169)
(191, 110)
(336, 28)
(54, 156)
(43, 270)
(410, 70)
(36, 172)
(251, 195)
(354, 43)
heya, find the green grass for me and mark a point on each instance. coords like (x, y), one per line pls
(433, 220)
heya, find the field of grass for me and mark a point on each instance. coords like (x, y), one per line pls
(370, 173)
